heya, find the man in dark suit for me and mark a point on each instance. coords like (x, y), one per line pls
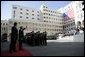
(21, 35)
(14, 37)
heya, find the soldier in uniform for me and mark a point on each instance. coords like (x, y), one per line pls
(32, 38)
(45, 38)
(36, 38)
(40, 39)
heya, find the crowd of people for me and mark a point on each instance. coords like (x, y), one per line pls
(31, 38)
(36, 39)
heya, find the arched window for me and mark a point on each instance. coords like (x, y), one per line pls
(78, 24)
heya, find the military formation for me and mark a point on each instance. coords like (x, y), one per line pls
(36, 39)
(31, 38)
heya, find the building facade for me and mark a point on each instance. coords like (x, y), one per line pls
(41, 20)
(4, 27)
(76, 11)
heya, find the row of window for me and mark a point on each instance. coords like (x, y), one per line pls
(53, 18)
(45, 7)
(70, 29)
(72, 24)
(26, 9)
(49, 11)
(35, 24)
(54, 22)
(26, 13)
(28, 18)
(4, 24)
(4, 28)
(51, 14)
(43, 29)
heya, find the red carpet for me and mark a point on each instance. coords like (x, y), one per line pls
(18, 53)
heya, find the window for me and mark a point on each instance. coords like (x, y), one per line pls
(14, 15)
(27, 10)
(21, 9)
(32, 18)
(49, 14)
(37, 15)
(33, 14)
(4, 28)
(44, 21)
(26, 17)
(14, 12)
(20, 12)
(51, 11)
(3, 23)
(38, 18)
(32, 10)
(37, 11)
(14, 7)
(20, 16)
(27, 13)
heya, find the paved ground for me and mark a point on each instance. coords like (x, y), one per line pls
(53, 49)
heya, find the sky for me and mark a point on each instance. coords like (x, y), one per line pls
(6, 6)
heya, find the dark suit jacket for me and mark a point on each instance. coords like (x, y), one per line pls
(14, 33)
(21, 34)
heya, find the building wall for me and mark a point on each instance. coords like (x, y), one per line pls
(4, 26)
(77, 8)
(79, 13)
(69, 25)
(35, 26)
(45, 19)
(52, 16)
(20, 12)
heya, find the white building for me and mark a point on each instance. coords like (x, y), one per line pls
(41, 20)
(77, 7)
(4, 26)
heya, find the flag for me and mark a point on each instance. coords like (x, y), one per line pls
(65, 16)
(70, 12)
